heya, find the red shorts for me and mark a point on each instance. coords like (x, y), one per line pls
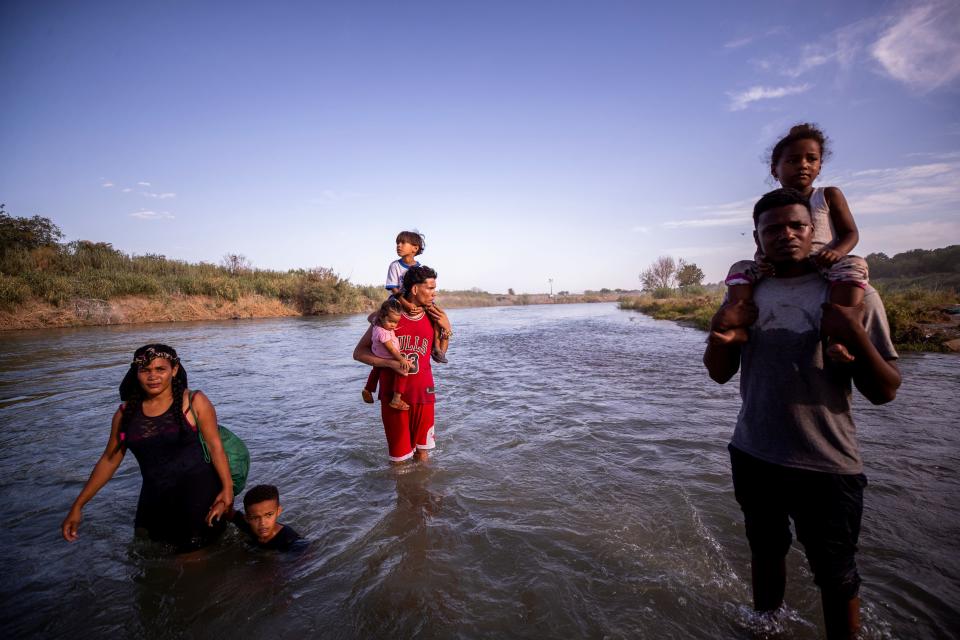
(407, 430)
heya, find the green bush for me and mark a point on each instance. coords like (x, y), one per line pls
(13, 292)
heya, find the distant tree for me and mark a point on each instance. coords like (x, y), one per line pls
(27, 233)
(916, 262)
(661, 274)
(563, 293)
(689, 275)
(510, 292)
(236, 263)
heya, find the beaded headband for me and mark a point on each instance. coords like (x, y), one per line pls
(150, 354)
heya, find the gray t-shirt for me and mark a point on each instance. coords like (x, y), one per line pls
(796, 412)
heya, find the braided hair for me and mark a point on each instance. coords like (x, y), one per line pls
(131, 393)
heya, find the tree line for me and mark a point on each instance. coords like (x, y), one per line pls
(36, 265)
(665, 273)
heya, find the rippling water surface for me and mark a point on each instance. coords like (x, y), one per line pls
(580, 488)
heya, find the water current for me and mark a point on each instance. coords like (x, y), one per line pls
(580, 489)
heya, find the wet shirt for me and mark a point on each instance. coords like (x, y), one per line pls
(286, 539)
(178, 485)
(796, 411)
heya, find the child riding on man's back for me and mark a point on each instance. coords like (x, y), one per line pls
(795, 162)
(410, 244)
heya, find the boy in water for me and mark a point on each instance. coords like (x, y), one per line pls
(259, 520)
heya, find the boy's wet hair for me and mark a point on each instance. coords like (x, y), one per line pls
(779, 198)
(415, 238)
(417, 275)
(390, 305)
(260, 493)
(802, 131)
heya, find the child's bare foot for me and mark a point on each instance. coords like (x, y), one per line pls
(367, 396)
(398, 403)
(737, 335)
(838, 353)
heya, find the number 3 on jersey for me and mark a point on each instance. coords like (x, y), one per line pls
(414, 359)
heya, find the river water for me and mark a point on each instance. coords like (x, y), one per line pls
(580, 489)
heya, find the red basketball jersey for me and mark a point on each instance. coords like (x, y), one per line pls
(416, 343)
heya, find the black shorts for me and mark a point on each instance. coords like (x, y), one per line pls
(826, 509)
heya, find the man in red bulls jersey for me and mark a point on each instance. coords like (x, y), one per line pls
(410, 432)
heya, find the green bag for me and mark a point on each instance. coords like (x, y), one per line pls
(237, 454)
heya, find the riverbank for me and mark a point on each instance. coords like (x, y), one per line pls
(89, 312)
(921, 319)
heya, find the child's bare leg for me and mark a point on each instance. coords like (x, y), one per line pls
(843, 294)
(735, 293)
(421, 455)
(372, 380)
(398, 403)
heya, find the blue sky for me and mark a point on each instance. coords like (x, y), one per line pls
(575, 141)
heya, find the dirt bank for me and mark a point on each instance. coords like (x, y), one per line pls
(180, 308)
(134, 310)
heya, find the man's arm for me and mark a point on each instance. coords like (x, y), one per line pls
(722, 358)
(440, 320)
(877, 378)
(363, 352)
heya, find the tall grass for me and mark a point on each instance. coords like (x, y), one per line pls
(87, 270)
(917, 315)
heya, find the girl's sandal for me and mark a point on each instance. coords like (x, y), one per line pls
(400, 405)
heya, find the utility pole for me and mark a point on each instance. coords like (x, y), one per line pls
(550, 280)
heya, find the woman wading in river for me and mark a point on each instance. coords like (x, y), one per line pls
(182, 497)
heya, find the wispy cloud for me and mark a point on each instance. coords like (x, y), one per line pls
(107, 184)
(161, 196)
(896, 238)
(740, 100)
(152, 215)
(640, 229)
(717, 215)
(336, 195)
(931, 189)
(143, 184)
(738, 43)
(127, 189)
(922, 47)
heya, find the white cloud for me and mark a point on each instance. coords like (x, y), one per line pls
(640, 229)
(718, 215)
(143, 184)
(107, 184)
(161, 196)
(152, 215)
(931, 189)
(922, 48)
(127, 189)
(739, 42)
(741, 100)
(896, 238)
(335, 195)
